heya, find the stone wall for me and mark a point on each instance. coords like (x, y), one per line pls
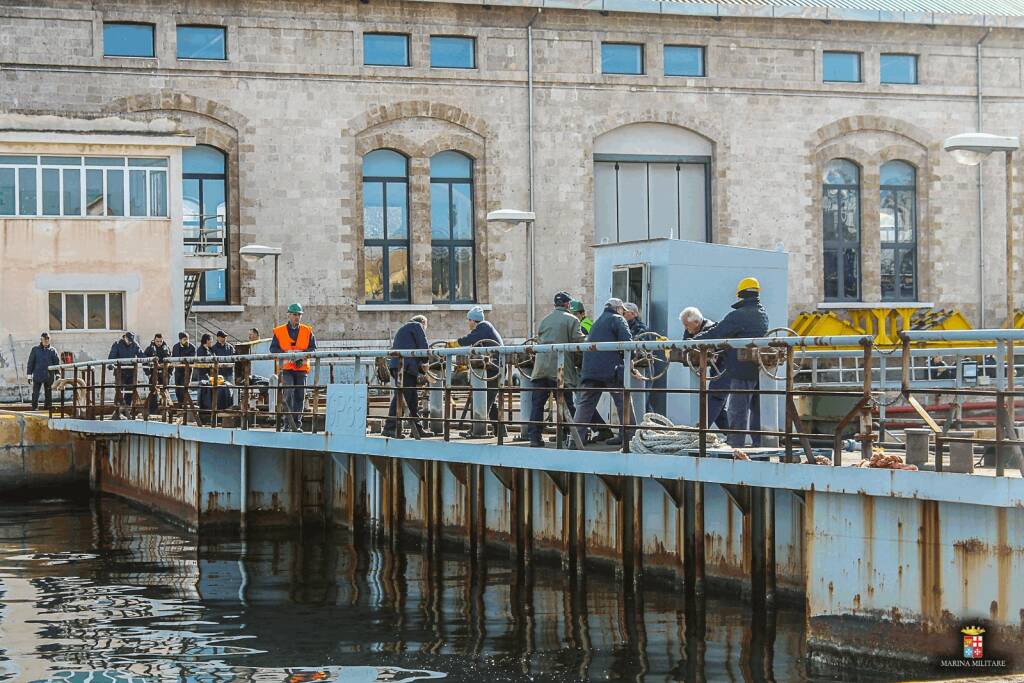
(294, 108)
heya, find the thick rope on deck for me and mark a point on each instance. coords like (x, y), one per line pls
(668, 443)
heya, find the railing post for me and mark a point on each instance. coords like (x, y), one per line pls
(789, 404)
(702, 422)
(866, 424)
(448, 372)
(1000, 426)
(214, 392)
(315, 400)
(627, 399)
(478, 426)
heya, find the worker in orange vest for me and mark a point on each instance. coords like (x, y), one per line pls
(290, 337)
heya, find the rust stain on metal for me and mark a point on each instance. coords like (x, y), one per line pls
(929, 547)
(1004, 558)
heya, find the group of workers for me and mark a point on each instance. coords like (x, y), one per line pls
(292, 336)
(732, 397)
(585, 377)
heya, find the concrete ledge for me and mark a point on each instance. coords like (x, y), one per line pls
(1005, 492)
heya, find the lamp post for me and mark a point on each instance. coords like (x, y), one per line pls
(971, 149)
(253, 253)
(527, 217)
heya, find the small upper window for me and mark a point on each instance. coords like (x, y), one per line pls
(201, 42)
(841, 67)
(386, 49)
(452, 52)
(899, 69)
(128, 40)
(684, 60)
(622, 58)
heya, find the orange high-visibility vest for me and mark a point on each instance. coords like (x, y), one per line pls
(301, 343)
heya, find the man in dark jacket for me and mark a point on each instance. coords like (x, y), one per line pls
(602, 370)
(694, 323)
(182, 375)
(125, 348)
(405, 372)
(225, 350)
(483, 332)
(159, 350)
(631, 312)
(747, 319)
(204, 355)
(40, 358)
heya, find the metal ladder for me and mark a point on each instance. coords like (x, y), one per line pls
(314, 489)
(191, 287)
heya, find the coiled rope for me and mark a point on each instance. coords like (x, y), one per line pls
(650, 440)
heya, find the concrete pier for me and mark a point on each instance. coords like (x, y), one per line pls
(889, 563)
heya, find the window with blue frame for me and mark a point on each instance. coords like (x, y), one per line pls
(453, 261)
(900, 69)
(622, 58)
(452, 52)
(204, 214)
(684, 60)
(840, 67)
(202, 42)
(385, 49)
(128, 40)
(386, 227)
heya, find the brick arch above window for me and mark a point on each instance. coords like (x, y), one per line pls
(169, 100)
(418, 108)
(868, 123)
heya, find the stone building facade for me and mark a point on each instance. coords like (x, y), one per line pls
(294, 108)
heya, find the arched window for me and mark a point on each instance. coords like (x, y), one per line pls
(840, 220)
(204, 214)
(451, 228)
(386, 226)
(898, 221)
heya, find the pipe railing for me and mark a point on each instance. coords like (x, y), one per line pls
(496, 376)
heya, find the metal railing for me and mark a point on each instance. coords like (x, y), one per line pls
(204, 235)
(460, 385)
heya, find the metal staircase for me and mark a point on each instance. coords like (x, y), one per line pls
(191, 286)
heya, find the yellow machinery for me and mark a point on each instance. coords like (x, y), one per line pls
(885, 322)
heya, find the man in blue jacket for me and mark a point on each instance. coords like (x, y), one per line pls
(747, 319)
(483, 332)
(602, 370)
(410, 336)
(40, 358)
(125, 348)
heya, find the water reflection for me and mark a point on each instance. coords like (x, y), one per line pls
(106, 593)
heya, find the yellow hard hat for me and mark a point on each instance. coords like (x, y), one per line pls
(748, 283)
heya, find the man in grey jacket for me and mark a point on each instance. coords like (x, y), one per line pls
(559, 327)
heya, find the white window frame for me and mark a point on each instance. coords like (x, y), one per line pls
(85, 294)
(82, 167)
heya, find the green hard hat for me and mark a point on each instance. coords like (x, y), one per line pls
(295, 308)
(576, 306)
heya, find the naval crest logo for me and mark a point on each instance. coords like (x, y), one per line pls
(973, 642)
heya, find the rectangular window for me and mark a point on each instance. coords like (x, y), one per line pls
(86, 310)
(7, 192)
(898, 69)
(684, 60)
(622, 58)
(52, 186)
(452, 52)
(385, 49)
(202, 42)
(51, 192)
(840, 67)
(127, 40)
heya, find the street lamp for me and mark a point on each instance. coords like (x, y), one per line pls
(252, 253)
(971, 149)
(527, 217)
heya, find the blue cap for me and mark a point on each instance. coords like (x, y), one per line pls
(476, 313)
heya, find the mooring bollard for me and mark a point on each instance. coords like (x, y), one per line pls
(961, 453)
(918, 440)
